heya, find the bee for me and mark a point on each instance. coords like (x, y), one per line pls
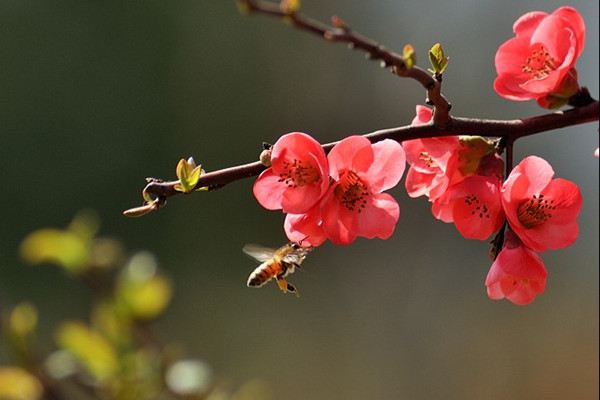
(276, 263)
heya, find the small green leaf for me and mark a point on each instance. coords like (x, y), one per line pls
(189, 174)
(23, 319)
(141, 290)
(438, 59)
(18, 384)
(290, 6)
(90, 348)
(409, 56)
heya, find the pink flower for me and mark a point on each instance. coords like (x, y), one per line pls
(542, 211)
(518, 274)
(537, 61)
(298, 176)
(473, 205)
(597, 152)
(306, 228)
(431, 160)
(354, 205)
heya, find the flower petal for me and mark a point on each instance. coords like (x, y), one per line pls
(526, 24)
(387, 168)
(560, 230)
(300, 199)
(305, 228)
(379, 217)
(296, 145)
(575, 23)
(353, 152)
(511, 56)
(518, 274)
(477, 209)
(424, 115)
(268, 190)
(339, 223)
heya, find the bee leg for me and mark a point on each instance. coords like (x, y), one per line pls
(285, 287)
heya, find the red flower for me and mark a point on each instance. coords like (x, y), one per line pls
(518, 274)
(538, 63)
(432, 160)
(542, 211)
(473, 205)
(354, 205)
(297, 178)
(306, 228)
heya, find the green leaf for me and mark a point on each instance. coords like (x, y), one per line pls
(290, 6)
(90, 348)
(409, 56)
(55, 246)
(69, 248)
(142, 291)
(188, 173)
(18, 384)
(438, 59)
(23, 319)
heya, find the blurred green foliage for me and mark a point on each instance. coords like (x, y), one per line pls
(115, 355)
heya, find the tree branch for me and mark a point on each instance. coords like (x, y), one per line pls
(510, 130)
(156, 191)
(342, 33)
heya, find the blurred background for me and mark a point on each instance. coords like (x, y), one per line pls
(96, 96)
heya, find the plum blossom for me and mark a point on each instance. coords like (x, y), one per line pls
(538, 63)
(354, 205)
(518, 273)
(298, 176)
(473, 205)
(307, 228)
(542, 211)
(432, 160)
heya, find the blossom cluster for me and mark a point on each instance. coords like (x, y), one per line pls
(462, 177)
(337, 197)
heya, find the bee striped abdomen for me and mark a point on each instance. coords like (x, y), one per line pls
(263, 274)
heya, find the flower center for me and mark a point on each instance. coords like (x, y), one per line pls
(298, 173)
(427, 160)
(539, 64)
(477, 208)
(523, 281)
(536, 211)
(351, 191)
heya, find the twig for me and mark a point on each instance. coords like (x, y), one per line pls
(374, 51)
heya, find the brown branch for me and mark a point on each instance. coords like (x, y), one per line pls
(342, 33)
(510, 130)
(443, 123)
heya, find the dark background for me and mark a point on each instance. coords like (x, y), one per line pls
(97, 95)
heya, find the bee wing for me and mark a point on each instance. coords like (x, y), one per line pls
(259, 253)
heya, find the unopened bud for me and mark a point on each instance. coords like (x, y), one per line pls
(265, 157)
(140, 211)
(339, 23)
